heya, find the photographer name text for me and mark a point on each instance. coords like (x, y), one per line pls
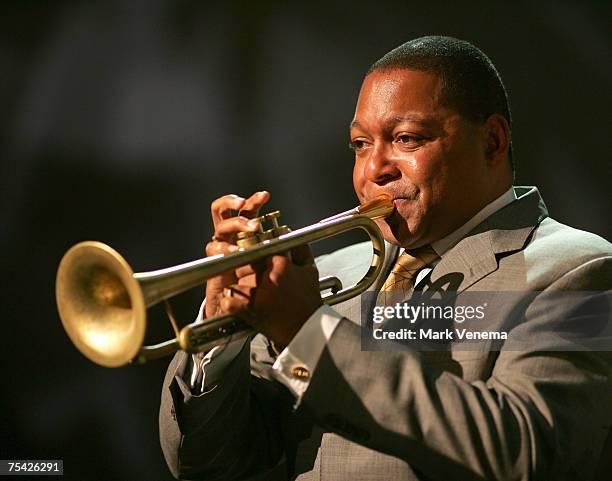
(435, 335)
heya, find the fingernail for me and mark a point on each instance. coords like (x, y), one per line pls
(233, 248)
(253, 223)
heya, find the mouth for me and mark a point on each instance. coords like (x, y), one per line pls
(400, 200)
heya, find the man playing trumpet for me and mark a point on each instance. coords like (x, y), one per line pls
(302, 400)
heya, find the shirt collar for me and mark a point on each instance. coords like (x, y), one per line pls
(443, 245)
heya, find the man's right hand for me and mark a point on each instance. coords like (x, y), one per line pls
(226, 228)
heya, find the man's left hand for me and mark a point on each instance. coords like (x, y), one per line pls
(277, 297)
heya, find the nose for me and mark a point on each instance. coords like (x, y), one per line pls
(380, 168)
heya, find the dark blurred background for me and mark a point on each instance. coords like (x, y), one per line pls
(122, 121)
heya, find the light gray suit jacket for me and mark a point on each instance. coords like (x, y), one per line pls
(461, 415)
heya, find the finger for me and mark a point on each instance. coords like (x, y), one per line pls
(220, 247)
(257, 267)
(253, 204)
(247, 282)
(222, 207)
(236, 298)
(245, 271)
(302, 255)
(242, 291)
(226, 229)
(233, 305)
(214, 291)
(277, 265)
(312, 271)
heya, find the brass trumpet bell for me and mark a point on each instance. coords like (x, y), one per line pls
(97, 286)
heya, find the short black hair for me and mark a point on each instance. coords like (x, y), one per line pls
(469, 81)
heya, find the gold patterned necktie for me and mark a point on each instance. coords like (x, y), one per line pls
(406, 268)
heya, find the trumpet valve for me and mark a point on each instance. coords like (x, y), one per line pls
(250, 239)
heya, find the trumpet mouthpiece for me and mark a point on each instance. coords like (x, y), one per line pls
(379, 207)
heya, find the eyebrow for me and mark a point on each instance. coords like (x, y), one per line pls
(398, 120)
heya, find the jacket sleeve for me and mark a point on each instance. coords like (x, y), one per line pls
(231, 431)
(541, 415)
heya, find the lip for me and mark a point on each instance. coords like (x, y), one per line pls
(398, 200)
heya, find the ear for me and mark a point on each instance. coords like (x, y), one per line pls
(496, 132)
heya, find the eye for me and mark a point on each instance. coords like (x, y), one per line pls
(357, 145)
(410, 140)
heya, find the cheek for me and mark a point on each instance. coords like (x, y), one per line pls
(358, 179)
(425, 169)
(456, 168)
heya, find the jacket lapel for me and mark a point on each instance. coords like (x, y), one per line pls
(475, 256)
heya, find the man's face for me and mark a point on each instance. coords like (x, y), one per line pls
(426, 156)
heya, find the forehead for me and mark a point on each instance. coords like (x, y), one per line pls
(398, 93)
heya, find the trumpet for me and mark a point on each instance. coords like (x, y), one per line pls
(102, 303)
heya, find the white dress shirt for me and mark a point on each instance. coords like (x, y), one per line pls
(296, 363)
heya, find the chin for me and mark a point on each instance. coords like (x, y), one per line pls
(396, 231)
(401, 232)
